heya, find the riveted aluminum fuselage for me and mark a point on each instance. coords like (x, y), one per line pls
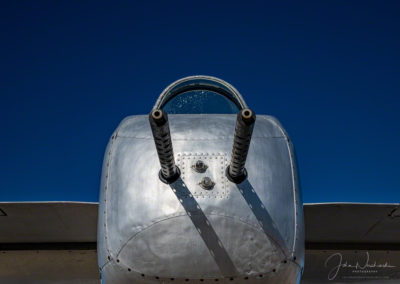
(152, 232)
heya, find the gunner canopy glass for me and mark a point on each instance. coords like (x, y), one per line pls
(200, 101)
(198, 94)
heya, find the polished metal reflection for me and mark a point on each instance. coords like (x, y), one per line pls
(203, 226)
(261, 213)
(143, 226)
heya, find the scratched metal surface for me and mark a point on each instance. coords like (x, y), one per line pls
(148, 229)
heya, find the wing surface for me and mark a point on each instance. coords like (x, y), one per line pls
(352, 243)
(48, 242)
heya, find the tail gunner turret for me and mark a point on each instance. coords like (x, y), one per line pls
(200, 190)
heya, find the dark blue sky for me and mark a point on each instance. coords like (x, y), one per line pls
(72, 70)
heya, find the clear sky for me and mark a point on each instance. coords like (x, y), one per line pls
(70, 71)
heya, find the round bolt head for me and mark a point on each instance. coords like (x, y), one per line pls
(207, 183)
(200, 166)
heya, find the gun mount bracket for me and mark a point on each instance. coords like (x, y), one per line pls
(171, 179)
(238, 179)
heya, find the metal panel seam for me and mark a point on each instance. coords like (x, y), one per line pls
(104, 265)
(107, 189)
(257, 227)
(293, 181)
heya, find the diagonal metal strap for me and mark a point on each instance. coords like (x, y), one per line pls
(203, 226)
(261, 213)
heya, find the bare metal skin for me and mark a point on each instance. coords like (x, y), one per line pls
(202, 227)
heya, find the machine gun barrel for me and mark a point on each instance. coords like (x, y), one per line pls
(162, 138)
(245, 120)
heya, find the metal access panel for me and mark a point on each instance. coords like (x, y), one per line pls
(216, 164)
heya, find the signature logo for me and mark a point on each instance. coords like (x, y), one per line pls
(338, 263)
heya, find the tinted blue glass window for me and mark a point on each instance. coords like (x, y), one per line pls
(200, 101)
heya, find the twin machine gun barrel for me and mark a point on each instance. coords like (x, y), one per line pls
(235, 172)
